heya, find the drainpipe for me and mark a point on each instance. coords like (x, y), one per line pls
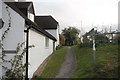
(27, 49)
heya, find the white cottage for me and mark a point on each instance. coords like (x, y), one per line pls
(23, 26)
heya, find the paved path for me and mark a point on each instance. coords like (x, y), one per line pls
(68, 66)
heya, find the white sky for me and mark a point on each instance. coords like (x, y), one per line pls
(79, 13)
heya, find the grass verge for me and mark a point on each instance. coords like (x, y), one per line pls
(106, 62)
(54, 64)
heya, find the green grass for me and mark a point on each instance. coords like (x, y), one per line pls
(54, 64)
(106, 62)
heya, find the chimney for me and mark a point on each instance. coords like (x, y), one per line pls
(21, 0)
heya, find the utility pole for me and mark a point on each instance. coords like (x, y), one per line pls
(94, 49)
(92, 33)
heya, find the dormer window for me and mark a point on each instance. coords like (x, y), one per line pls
(31, 16)
(26, 8)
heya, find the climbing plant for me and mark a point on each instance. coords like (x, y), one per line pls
(9, 24)
(4, 35)
(17, 66)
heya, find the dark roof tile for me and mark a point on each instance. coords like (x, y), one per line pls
(46, 22)
(23, 6)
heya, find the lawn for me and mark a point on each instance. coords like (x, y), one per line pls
(106, 62)
(54, 64)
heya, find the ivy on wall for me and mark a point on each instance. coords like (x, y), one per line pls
(9, 24)
(8, 28)
(3, 36)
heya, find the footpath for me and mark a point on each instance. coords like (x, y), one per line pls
(69, 65)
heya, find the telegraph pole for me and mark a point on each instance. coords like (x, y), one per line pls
(92, 33)
(94, 49)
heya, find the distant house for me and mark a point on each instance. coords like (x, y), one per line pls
(24, 26)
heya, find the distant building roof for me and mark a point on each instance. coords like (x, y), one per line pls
(28, 21)
(46, 22)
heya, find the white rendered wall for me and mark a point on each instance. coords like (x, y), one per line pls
(39, 53)
(0, 9)
(16, 33)
(8, 0)
(0, 38)
(54, 33)
(21, 0)
(0, 18)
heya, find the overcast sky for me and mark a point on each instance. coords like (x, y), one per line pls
(79, 13)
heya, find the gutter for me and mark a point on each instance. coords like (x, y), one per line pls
(27, 51)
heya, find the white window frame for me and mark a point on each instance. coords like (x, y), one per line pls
(31, 16)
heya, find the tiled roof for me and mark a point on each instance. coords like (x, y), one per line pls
(46, 22)
(23, 6)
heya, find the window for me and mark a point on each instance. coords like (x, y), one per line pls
(31, 16)
(46, 42)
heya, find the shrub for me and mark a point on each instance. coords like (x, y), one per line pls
(58, 47)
